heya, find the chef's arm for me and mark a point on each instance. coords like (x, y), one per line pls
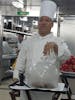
(66, 53)
(20, 64)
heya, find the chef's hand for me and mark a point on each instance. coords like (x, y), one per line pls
(50, 46)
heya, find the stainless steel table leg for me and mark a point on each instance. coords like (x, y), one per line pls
(28, 94)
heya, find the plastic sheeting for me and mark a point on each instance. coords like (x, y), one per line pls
(45, 73)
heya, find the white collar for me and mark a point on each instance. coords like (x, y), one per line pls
(46, 36)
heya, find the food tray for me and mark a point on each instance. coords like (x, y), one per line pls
(60, 87)
(68, 72)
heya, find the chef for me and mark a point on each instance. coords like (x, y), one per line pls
(39, 45)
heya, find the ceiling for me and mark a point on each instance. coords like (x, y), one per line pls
(66, 7)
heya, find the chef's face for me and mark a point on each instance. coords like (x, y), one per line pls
(44, 25)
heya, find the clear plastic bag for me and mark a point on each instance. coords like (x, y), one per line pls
(45, 73)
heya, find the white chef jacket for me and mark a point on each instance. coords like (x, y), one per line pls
(32, 52)
(6, 48)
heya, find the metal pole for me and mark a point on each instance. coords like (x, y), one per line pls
(58, 23)
(1, 68)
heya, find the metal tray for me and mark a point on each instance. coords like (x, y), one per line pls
(65, 72)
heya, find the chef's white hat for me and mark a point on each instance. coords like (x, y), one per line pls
(48, 8)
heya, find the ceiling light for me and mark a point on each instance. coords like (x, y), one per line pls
(17, 4)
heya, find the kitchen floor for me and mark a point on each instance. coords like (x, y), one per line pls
(4, 90)
(4, 95)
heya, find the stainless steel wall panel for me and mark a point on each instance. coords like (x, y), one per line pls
(1, 68)
(67, 32)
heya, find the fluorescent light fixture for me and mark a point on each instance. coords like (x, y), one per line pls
(17, 4)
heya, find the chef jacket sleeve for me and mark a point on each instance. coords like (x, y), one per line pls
(64, 52)
(21, 61)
